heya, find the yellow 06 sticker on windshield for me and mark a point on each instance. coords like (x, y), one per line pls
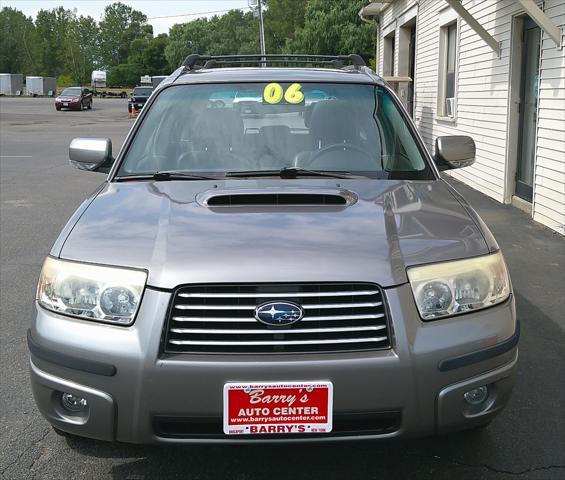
(274, 94)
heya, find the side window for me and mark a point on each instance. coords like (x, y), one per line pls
(399, 151)
(447, 70)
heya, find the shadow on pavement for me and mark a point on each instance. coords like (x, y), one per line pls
(394, 459)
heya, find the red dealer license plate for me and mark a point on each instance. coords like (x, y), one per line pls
(277, 408)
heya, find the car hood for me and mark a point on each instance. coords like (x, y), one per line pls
(67, 99)
(167, 228)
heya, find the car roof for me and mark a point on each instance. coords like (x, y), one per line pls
(255, 74)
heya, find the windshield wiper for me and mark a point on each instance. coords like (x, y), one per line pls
(164, 175)
(289, 172)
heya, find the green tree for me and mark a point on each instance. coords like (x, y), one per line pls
(124, 75)
(334, 28)
(81, 49)
(17, 34)
(185, 38)
(51, 28)
(232, 33)
(119, 27)
(153, 56)
(283, 18)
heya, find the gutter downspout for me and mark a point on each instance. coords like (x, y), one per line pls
(377, 24)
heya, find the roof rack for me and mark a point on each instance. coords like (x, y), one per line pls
(195, 61)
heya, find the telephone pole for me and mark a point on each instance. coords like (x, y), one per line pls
(261, 28)
(257, 7)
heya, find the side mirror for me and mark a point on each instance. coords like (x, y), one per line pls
(94, 154)
(456, 151)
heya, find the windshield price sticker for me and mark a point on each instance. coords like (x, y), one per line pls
(274, 94)
(277, 408)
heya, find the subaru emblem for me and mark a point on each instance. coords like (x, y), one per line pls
(279, 313)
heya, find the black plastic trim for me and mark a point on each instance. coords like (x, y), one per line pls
(346, 424)
(481, 355)
(89, 366)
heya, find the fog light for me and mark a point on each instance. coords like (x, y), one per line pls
(477, 395)
(73, 403)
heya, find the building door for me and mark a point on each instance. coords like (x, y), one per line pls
(528, 110)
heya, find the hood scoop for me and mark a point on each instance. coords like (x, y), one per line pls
(270, 198)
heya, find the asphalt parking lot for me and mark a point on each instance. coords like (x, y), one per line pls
(39, 191)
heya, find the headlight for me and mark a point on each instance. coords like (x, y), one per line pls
(106, 294)
(451, 288)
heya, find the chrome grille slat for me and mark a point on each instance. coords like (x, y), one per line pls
(287, 331)
(219, 318)
(214, 319)
(305, 319)
(182, 306)
(281, 295)
(280, 342)
(343, 317)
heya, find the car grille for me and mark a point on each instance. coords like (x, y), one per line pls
(221, 319)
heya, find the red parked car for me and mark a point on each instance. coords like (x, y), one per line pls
(74, 98)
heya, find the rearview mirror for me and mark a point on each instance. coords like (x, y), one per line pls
(93, 154)
(455, 151)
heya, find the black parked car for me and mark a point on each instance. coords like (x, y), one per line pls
(139, 96)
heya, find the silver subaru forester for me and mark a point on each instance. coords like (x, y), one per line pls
(272, 257)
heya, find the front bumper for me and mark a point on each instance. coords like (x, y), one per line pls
(69, 106)
(416, 386)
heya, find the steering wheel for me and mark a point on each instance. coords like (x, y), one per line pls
(317, 154)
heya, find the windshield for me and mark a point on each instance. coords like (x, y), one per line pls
(142, 91)
(71, 92)
(215, 129)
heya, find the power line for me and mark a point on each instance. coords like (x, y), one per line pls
(197, 13)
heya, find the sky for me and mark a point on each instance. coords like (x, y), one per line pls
(162, 14)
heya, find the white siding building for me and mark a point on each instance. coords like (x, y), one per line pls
(493, 70)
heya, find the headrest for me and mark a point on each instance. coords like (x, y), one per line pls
(331, 122)
(223, 124)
